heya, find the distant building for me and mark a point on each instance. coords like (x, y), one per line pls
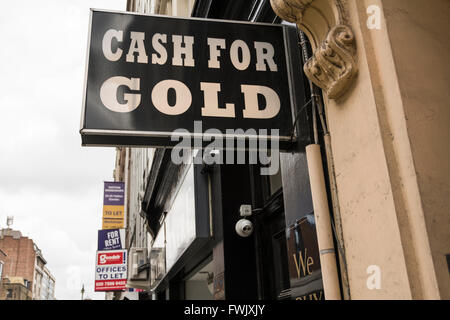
(15, 288)
(2, 262)
(47, 286)
(23, 273)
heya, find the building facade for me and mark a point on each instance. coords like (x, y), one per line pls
(2, 262)
(386, 110)
(358, 210)
(24, 268)
(47, 286)
(15, 288)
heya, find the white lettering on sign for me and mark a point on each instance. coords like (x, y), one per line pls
(264, 54)
(111, 242)
(160, 97)
(160, 57)
(251, 102)
(108, 94)
(185, 49)
(211, 106)
(137, 46)
(183, 55)
(239, 47)
(113, 234)
(113, 239)
(104, 257)
(214, 52)
(107, 44)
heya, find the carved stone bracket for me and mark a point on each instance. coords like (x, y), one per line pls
(333, 64)
(333, 67)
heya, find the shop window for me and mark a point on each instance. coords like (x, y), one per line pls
(200, 286)
(180, 220)
(158, 258)
(266, 186)
(275, 182)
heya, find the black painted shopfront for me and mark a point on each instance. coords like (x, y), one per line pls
(280, 260)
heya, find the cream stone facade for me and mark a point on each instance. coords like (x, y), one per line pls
(383, 67)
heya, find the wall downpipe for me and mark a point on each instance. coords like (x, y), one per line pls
(323, 223)
(322, 216)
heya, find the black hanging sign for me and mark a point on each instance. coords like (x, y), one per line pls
(148, 75)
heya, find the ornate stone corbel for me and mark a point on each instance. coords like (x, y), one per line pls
(333, 64)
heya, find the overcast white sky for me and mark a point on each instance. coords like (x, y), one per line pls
(50, 184)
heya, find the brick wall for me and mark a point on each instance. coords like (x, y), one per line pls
(21, 257)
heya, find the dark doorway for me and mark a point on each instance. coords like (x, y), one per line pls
(270, 238)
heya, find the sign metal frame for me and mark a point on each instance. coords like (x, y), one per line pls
(130, 138)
